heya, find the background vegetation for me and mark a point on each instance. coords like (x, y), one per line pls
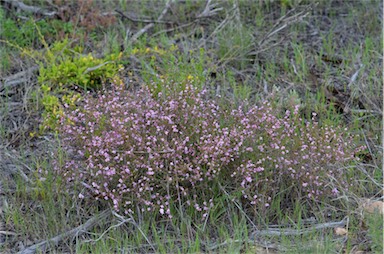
(321, 60)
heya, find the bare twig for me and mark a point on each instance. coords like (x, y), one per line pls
(280, 25)
(221, 25)
(150, 25)
(209, 10)
(123, 221)
(88, 70)
(354, 76)
(366, 111)
(289, 231)
(251, 242)
(173, 28)
(8, 233)
(18, 78)
(142, 20)
(29, 8)
(73, 232)
(16, 169)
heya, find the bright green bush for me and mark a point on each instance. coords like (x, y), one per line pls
(68, 68)
(65, 72)
(23, 33)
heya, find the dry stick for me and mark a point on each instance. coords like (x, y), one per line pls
(18, 78)
(150, 25)
(276, 29)
(173, 29)
(287, 21)
(220, 26)
(16, 169)
(88, 70)
(209, 10)
(258, 244)
(73, 232)
(15, 156)
(29, 8)
(123, 221)
(141, 20)
(8, 233)
(288, 231)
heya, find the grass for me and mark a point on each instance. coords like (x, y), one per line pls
(329, 61)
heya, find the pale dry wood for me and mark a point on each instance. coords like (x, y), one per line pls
(209, 10)
(73, 232)
(88, 70)
(8, 233)
(141, 20)
(30, 8)
(150, 25)
(18, 78)
(289, 231)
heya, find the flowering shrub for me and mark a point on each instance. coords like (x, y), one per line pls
(151, 150)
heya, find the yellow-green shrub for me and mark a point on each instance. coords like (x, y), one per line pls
(69, 68)
(64, 72)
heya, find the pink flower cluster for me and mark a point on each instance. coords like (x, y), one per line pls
(149, 150)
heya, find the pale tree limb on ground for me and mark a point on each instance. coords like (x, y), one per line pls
(18, 78)
(289, 231)
(280, 25)
(29, 8)
(150, 25)
(73, 232)
(141, 20)
(209, 10)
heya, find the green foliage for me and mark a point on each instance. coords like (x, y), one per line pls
(23, 33)
(69, 68)
(63, 70)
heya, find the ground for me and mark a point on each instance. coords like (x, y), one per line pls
(324, 56)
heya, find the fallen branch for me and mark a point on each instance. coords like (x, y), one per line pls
(142, 20)
(73, 232)
(280, 25)
(289, 231)
(150, 25)
(29, 8)
(209, 10)
(262, 247)
(8, 233)
(88, 70)
(173, 28)
(18, 78)
(14, 169)
(221, 25)
(123, 221)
